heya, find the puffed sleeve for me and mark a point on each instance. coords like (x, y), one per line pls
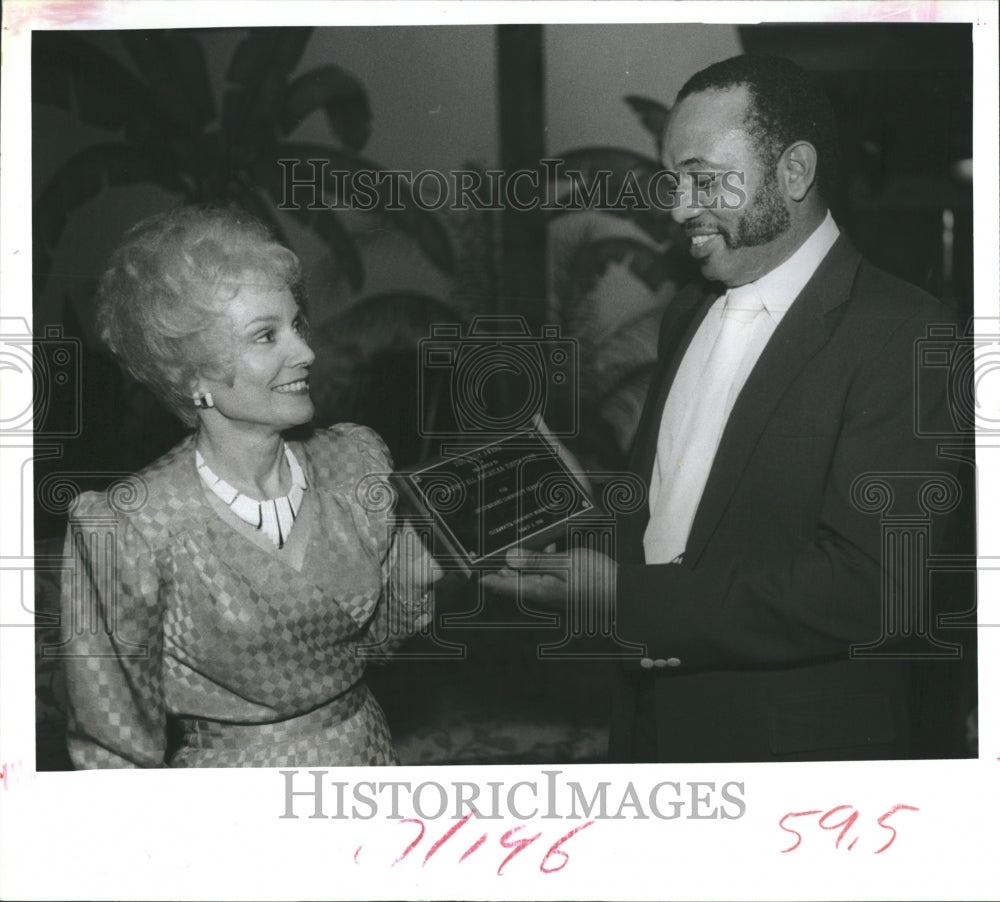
(112, 641)
(404, 607)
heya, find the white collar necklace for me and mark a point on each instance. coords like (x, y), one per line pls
(273, 516)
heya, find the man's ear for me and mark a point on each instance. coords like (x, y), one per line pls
(797, 169)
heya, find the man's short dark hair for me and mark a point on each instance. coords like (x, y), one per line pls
(787, 104)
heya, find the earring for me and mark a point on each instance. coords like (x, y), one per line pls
(203, 400)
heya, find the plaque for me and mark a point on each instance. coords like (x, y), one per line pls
(483, 500)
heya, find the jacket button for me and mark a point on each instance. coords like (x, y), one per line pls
(646, 662)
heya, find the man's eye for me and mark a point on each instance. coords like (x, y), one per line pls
(264, 337)
(301, 326)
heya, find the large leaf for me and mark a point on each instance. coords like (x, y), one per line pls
(589, 261)
(339, 94)
(402, 212)
(257, 79)
(621, 182)
(73, 74)
(352, 347)
(83, 177)
(279, 49)
(251, 200)
(390, 319)
(173, 65)
(328, 227)
(653, 116)
(423, 226)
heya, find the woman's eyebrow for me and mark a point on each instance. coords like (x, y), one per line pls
(268, 320)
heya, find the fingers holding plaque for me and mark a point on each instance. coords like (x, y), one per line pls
(482, 501)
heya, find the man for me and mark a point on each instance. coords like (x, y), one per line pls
(754, 570)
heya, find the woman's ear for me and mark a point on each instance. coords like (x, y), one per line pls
(797, 169)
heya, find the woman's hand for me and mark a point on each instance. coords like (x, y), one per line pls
(412, 570)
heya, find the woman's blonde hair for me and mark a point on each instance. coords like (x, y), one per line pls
(170, 279)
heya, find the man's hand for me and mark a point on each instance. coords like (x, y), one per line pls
(549, 577)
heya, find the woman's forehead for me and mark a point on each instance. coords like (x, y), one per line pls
(259, 298)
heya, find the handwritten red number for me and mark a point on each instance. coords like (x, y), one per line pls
(781, 824)
(846, 823)
(451, 832)
(555, 850)
(518, 845)
(412, 845)
(472, 848)
(882, 823)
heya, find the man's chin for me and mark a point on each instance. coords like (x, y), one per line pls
(711, 270)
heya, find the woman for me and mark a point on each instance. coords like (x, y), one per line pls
(251, 577)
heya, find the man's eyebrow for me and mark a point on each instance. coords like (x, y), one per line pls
(700, 162)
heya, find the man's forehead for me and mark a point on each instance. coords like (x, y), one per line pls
(707, 120)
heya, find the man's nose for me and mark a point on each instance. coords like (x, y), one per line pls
(685, 207)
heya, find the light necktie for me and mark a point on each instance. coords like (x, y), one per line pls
(709, 379)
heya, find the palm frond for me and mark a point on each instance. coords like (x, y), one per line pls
(339, 94)
(328, 227)
(256, 80)
(173, 66)
(653, 116)
(80, 179)
(618, 181)
(71, 73)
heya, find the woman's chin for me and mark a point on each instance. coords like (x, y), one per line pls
(308, 412)
(299, 414)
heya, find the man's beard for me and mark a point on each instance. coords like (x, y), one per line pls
(766, 218)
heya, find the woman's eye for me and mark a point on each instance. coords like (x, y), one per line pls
(264, 337)
(301, 327)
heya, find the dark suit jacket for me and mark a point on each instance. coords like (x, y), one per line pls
(782, 572)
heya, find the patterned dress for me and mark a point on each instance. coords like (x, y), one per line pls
(172, 610)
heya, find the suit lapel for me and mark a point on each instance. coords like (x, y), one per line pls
(803, 331)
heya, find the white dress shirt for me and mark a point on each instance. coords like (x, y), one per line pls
(711, 375)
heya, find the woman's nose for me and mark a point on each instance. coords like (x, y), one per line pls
(302, 354)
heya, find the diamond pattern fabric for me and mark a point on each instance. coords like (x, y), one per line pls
(168, 610)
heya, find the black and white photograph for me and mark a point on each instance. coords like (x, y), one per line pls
(500, 451)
